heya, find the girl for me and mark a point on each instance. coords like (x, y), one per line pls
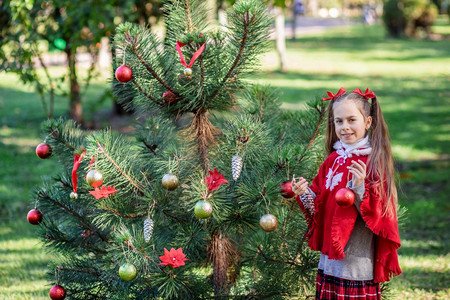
(359, 243)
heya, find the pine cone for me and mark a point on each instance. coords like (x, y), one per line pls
(148, 229)
(236, 166)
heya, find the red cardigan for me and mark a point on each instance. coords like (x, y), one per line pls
(331, 225)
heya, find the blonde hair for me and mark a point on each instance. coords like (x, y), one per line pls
(380, 163)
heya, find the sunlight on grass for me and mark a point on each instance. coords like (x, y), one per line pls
(424, 277)
(23, 267)
(407, 152)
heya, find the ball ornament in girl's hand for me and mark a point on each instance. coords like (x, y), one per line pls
(94, 178)
(268, 222)
(345, 197)
(203, 209)
(286, 189)
(124, 74)
(34, 217)
(169, 181)
(57, 292)
(127, 271)
(43, 151)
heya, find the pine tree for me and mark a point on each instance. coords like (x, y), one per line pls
(162, 214)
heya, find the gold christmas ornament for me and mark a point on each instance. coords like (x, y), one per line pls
(268, 222)
(73, 195)
(188, 72)
(94, 178)
(169, 182)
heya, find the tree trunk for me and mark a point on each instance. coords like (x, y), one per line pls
(281, 37)
(221, 254)
(76, 111)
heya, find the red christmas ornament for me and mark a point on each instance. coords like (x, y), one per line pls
(57, 292)
(286, 189)
(34, 217)
(124, 73)
(345, 197)
(169, 97)
(43, 150)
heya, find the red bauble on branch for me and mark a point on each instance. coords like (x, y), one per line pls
(43, 151)
(57, 292)
(34, 217)
(124, 73)
(286, 189)
(345, 197)
(169, 97)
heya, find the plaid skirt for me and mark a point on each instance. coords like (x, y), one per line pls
(334, 288)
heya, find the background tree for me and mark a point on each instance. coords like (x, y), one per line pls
(405, 17)
(209, 189)
(67, 26)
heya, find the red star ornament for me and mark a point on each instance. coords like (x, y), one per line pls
(103, 192)
(174, 258)
(215, 180)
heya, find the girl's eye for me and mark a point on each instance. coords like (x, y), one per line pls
(338, 122)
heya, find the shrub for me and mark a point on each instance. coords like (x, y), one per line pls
(404, 17)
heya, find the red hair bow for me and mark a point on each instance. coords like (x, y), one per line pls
(334, 96)
(368, 94)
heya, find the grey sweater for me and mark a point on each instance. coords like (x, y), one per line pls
(359, 251)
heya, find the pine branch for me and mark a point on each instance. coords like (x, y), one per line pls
(238, 57)
(245, 297)
(56, 135)
(321, 112)
(76, 215)
(146, 94)
(187, 9)
(129, 216)
(276, 260)
(151, 148)
(79, 271)
(84, 246)
(102, 150)
(133, 42)
(130, 245)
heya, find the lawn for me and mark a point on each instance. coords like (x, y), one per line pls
(410, 78)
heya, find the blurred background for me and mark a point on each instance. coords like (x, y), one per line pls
(56, 61)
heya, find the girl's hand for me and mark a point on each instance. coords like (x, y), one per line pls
(299, 187)
(358, 170)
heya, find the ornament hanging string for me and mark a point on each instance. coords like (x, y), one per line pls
(265, 201)
(91, 162)
(76, 163)
(194, 57)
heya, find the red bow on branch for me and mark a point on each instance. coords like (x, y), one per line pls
(334, 96)
(76, 163)
(194, 57)
(368, 94)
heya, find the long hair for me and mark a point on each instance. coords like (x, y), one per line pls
(380, 163)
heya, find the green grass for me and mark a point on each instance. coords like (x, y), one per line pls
(410, 78)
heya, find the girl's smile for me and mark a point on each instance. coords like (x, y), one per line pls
(350, 124)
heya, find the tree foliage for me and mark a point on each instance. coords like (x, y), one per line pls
(214, 114)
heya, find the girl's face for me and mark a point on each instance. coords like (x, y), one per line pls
(349, 122)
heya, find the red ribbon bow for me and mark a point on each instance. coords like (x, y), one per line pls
(368, 94)
(194, 57)
(334, 96)
(76, 163)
